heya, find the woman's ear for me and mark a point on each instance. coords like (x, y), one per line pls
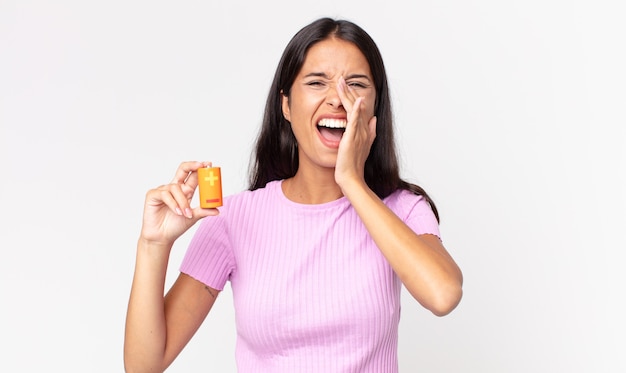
(285, 106)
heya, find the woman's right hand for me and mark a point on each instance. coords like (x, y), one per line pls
(167, 210)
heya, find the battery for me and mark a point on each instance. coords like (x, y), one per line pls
(210, 185)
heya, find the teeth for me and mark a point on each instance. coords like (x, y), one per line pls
(332, 123)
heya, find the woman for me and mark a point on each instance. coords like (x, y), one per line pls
(317, 250)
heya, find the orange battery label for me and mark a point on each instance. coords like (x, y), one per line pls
(210, 185)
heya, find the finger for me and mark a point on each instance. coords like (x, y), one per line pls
(355, 111)
(174, 197)
(163, 196)
(199, 212)
(183, 198)
(184, 170)
(346, 94)
(351, 125)
(192, 178)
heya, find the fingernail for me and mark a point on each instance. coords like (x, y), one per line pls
(178, 211)
(188, 213)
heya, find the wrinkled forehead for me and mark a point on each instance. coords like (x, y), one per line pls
(333, 56)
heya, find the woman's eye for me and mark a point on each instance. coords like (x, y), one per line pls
(315, 83)
(357, 85)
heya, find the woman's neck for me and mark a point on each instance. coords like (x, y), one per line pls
(312, 187)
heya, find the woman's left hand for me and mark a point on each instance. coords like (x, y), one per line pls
(357, 139)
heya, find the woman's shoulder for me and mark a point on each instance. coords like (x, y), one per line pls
(403, 196)
(245, 204)
(414, 210)
(403, 202)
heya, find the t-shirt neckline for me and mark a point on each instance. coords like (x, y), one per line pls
(277, 188)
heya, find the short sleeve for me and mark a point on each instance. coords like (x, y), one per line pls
(415, 211)
(209, 258)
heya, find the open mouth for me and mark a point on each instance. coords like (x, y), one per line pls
(332, 129)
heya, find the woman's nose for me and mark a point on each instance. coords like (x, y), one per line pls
(332, 97)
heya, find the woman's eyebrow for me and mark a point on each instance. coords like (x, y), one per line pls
(358, 76)
(317, 74)
(351, 76)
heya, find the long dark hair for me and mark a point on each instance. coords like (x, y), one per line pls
(276, 154)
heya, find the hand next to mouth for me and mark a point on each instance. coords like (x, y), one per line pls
(357, 139)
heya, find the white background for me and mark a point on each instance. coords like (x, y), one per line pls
(510, 113)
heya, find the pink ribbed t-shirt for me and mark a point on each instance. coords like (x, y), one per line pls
(312, 292)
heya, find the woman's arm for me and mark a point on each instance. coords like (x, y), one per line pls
(158, 327)
(421, 262)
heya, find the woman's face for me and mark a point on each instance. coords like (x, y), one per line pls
(314, 108)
